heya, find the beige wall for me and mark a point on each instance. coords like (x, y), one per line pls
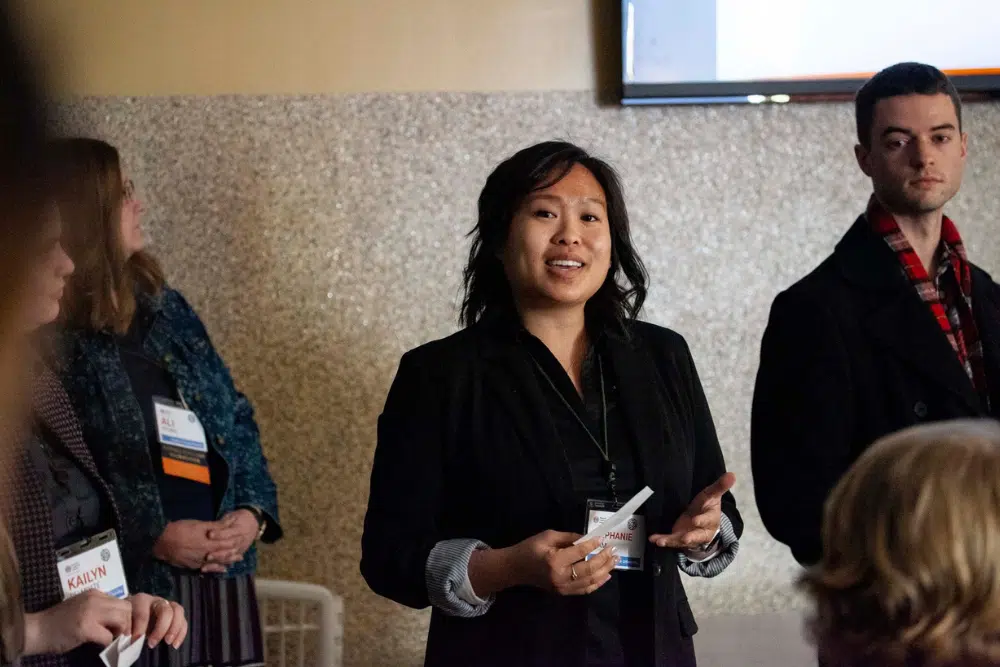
(205, 47)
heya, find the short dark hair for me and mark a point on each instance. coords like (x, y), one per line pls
(900, 79)
(487, 290)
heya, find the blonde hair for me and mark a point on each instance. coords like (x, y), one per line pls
(910, 573)
(101, 292)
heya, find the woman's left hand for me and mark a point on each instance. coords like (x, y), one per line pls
(158, 619)
(239, 525)
(697, 526)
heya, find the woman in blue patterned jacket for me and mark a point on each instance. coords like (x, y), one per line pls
(172, 435)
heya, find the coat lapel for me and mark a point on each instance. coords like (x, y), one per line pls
(898, 320)
(645, 422)
(514, 384)
(905, 327)
(54, 411)
(516, 388)
(986, 306)
(161, 343)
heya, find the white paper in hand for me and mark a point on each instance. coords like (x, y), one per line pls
(129, 652)
(619, 517)
(109, 656)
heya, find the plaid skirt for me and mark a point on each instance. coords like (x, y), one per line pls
(224, 627)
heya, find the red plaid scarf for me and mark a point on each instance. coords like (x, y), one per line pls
(949, 295)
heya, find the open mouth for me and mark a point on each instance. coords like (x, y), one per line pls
(564, 264)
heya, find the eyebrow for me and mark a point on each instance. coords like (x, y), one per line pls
(899, 130)
(593, 200)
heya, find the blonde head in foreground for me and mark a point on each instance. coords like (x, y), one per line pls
(910, 573)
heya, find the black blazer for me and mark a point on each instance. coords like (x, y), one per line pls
(851, 354)
(465, 450)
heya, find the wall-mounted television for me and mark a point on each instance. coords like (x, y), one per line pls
(738, 51)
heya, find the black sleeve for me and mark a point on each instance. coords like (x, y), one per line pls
(709, 464)
(406, 481)
(802, 420)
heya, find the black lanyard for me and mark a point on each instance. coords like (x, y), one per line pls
(608, 466)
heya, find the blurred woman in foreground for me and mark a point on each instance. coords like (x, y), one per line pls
(22, 200)
(910, 575)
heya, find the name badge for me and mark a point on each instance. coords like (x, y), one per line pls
(629, 537)
(92, 563)
(182, 441)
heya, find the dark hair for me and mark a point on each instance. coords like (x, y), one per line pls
(900, 79)
(487, 291)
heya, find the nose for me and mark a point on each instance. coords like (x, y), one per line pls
(921, 153)
(66, 266)
(569, 232)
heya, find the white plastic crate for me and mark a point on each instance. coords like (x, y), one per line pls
(303, 624)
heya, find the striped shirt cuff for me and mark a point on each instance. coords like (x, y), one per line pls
(712, 566)
(713, 549)
(447, 578)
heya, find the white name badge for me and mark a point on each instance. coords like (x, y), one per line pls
(178, 426)
(94, 563)
(183, 445)
(629, 537)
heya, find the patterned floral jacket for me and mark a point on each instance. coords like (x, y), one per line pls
(112, 420)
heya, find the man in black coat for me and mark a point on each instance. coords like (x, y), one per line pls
(895, 328)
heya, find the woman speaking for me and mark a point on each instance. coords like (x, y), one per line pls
(499, 446)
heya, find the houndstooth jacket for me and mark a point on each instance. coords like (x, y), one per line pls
(31, 520)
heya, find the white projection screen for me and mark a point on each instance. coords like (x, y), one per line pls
(742, 50)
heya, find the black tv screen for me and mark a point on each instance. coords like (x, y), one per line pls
(731, 51)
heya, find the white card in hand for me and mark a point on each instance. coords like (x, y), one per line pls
(619, 517)
(129, 653)
(109, 656)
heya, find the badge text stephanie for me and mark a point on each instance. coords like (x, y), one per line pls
(621, 537)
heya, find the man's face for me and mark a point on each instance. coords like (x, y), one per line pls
(917, 153)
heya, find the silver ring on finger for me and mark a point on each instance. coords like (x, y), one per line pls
(572, 573)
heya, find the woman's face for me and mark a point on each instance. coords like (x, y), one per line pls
(131, 222)
(558, 249)
(49, 271)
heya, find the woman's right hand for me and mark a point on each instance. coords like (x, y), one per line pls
(548, 561)
(91, 617)
(187, 544)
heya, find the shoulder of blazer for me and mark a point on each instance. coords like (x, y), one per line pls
(837, 277)
(180, 316)
(668, 350)
(457, 348)
(646, 334)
